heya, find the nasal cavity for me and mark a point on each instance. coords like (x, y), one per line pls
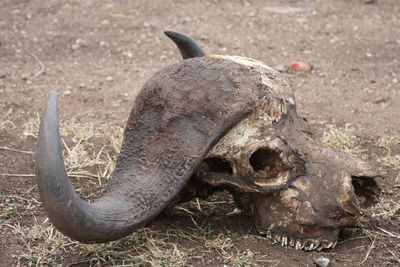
(366, 190)
(218, 165)
(265, 160)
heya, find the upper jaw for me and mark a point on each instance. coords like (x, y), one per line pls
(306, 244)
(308, 215)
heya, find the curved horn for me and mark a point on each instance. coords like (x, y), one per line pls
(186, 44)
(176, 119)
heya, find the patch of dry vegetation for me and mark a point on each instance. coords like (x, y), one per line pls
(80, 154)
(390, 160)
(45, 246)
(14, 207)
(5, 124)
(342, 138)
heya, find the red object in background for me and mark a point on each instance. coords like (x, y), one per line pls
(299, 66)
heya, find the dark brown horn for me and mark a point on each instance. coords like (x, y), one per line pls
(187, 46)
(177, 117)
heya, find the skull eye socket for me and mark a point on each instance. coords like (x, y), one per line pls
(218, 165)
(366, 190)
(265, 160)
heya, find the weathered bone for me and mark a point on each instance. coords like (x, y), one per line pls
(203, 125)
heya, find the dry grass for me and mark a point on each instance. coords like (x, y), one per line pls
(5, 124)
(387, 141)
(14, 207)
(392, 161)
(79, 154)
(145, 247)
(342, 138)
(386, 208)
(45, 246)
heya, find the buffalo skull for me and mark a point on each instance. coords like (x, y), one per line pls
(205, 124)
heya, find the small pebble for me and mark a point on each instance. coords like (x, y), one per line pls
(127, 54)
(380, 99)
(77, 45)
(322, 262)
(109, 79)
(299, 66)
(281, 68)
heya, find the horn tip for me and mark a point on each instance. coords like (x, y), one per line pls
(173, 33)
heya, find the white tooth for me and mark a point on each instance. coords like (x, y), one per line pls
(278, 238)
(269, 235)
(311, 246)
(284, 240)
(329, 245)
(334, 244)
(302, 245)
(298, 245)
(291, 242)
(320, 247)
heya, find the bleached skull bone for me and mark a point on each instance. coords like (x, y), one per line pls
(248, 138)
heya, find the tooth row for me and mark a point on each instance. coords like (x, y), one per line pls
(307, 245)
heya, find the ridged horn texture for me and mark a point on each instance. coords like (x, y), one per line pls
(187, 46)
(179, 114)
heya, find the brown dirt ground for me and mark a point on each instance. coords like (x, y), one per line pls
(98, 54)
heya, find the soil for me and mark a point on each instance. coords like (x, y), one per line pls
(98, 54)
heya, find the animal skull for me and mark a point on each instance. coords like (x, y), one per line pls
(300, 192)
(206, 124)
